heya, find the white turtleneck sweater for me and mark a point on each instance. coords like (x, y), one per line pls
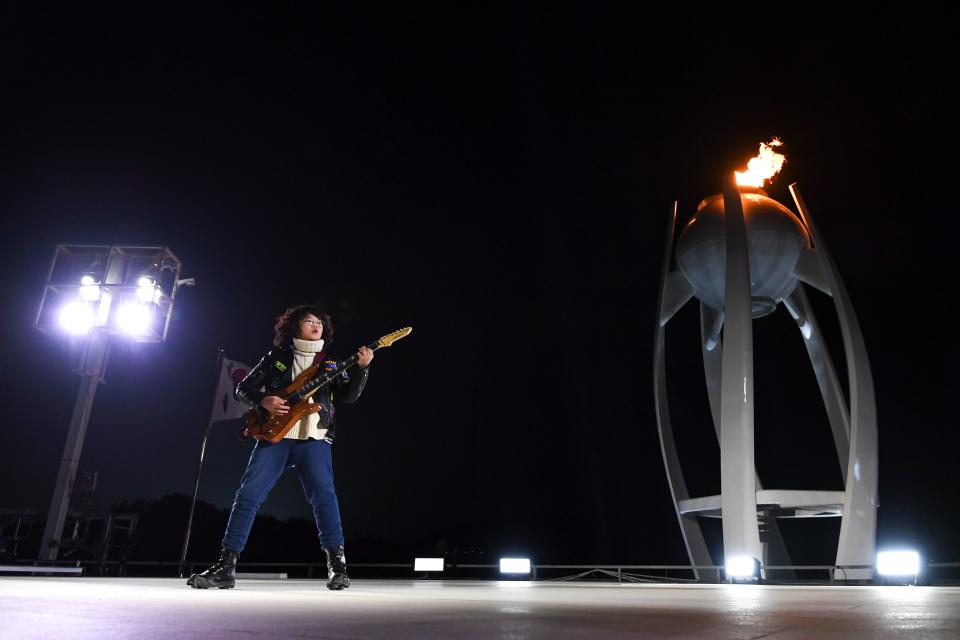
(304, 351)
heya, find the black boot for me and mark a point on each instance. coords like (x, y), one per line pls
(337, 577)
(222, 575)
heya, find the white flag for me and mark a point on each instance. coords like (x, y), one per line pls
(225, 406)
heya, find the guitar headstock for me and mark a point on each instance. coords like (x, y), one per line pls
(390, 338)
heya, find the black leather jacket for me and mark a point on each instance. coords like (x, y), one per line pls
(275, 370)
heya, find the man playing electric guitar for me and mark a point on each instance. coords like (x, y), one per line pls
(301, 336)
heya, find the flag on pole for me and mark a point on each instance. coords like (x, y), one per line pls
(225, 406)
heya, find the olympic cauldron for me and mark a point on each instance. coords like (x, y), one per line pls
(772, 252)
(775, 236)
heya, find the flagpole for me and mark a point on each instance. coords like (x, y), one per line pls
(203, 450)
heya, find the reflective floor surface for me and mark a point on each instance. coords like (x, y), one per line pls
(142, 608)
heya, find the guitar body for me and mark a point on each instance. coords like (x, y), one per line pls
(265, 426)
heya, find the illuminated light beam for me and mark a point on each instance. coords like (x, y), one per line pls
(134, 319)
(898, 563)
(76, 318)
(514, 565)
(428, 564)
(742, 567)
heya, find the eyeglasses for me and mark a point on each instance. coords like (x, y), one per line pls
(313, 323)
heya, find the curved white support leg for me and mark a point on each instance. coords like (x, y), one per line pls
(689, 527)
(836, 405)
(858, 528)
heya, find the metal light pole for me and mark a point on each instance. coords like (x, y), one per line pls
(91, 371)
(95, 292)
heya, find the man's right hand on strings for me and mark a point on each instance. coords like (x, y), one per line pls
(276, 405)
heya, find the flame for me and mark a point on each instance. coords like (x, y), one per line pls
(763, 167)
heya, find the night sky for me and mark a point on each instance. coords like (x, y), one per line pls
(497, 176)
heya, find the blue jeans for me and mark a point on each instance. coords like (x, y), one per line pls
(313, 460)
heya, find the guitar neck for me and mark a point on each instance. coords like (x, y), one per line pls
(352, 360)
(321, 380)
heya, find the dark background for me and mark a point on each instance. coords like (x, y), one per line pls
(498, 176)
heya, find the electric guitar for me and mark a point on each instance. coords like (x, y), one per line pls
(263, 425)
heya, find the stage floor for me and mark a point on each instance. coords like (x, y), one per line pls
(146, 608)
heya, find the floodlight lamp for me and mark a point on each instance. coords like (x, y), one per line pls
(134, 318)
(742, 567)
(147, 290)
(76, 317)
(514, 565)
(428, 564)
(90, 287)
(898, 563)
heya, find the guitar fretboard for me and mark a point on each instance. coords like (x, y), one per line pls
(325, 378)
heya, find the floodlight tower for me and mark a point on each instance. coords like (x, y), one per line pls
(741, 255)
(94, 292)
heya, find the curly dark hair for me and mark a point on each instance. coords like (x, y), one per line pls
(288, 324)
